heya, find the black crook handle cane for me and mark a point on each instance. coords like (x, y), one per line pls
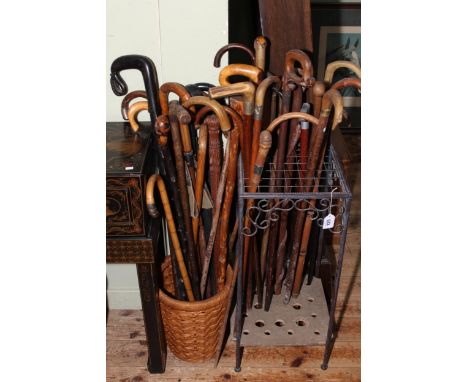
(150, 77)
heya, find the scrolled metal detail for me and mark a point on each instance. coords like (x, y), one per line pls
(263, 213)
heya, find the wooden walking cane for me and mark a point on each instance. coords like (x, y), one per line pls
(129, 98)
(333, 66)
(290, 77)
(173, 234)
(154, 213)
(331, 98)
(183, 194)
(229, 195)
(231, 46)
(225, 127)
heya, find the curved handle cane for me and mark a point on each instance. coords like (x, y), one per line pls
(133, 112)
(171, 87)
(252, 73)
(129, 98)
(150, 79)
(333, 66)
(215, 106)
(345, 82)
(225, 48)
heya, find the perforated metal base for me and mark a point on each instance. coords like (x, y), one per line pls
(304, 321)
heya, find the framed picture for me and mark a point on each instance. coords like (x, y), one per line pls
(336, 33)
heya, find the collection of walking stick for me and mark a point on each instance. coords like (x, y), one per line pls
(198, 138)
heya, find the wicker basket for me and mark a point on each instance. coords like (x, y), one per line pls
(193, 329)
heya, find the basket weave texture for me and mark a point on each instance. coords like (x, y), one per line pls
(193, 329)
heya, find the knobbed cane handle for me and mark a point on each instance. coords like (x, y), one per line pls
(217, 109)
(260, 45)
(133, 112)
(290, 72)
(150, 203)
(245, 89)
(263, 148)
(252, 73)
(171, 87)
(333, 66)
(225, 48)
(129, 98)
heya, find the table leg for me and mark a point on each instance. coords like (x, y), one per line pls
(155, 338)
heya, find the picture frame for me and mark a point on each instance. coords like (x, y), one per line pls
(336, 35)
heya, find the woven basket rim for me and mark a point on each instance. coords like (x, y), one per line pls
(196, 306)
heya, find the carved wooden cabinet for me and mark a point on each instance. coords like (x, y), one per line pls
(132, 237)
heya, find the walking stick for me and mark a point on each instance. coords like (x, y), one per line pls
(290, 77)
(225, 127)
(253, 73)
(154, 213)
(132, 114)
(331, 98)
(183, 194)
(173, 234)
(229, 195)
(129, 98)
(225, 48)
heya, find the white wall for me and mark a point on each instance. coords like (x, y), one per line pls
(181, 37)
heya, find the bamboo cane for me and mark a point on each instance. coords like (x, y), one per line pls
(173, 234)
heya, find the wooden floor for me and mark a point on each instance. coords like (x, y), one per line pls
(126, 341)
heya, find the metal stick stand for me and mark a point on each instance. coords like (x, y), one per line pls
(268, 208)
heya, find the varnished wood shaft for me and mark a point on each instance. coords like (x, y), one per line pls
(214, 225)
(229, 196)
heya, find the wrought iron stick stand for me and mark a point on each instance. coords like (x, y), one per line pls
(333, 180)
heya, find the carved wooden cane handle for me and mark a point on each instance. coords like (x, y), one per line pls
(252, 73)
(225, 48)
(333, 66)
(129, 98)
(133, 112)
(264, 146)
(293, 56)
(332, 97)
(260, 45)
